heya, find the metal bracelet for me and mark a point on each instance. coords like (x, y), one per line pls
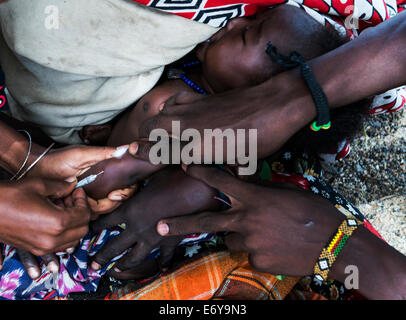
(28, 154)
(36, 161)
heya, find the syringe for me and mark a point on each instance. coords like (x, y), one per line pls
(88, 180)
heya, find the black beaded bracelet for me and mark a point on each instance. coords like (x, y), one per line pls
(295, 60)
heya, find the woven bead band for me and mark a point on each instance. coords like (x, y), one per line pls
(334, 247)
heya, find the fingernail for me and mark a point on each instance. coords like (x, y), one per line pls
(133, 148)
(120, 151)
(115, 198)
(162, 228)
(70, 250)
(53, 267)
(161, 107)
(71, 179)
(95, 266)
(117, 269)
(33, 273)
(184, 167)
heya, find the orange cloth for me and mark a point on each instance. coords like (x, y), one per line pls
(221, 275)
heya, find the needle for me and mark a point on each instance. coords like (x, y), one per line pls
(88, 180)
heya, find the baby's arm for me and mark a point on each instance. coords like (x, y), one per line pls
(168, 193)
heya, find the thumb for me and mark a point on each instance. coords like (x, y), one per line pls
(79, 199)
(141, 149)
(183, 97)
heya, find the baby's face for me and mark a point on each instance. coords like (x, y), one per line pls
(235, 56)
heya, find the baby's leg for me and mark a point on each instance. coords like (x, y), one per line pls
(117, 174)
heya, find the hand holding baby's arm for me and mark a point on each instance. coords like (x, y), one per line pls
(114, 174)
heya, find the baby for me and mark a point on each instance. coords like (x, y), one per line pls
(233, 58)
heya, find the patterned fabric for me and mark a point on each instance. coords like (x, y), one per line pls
(221, 275)
(75, 274)
(216, 13)
(228, 278)
(3, 99)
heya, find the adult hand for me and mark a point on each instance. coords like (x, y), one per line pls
(31, 265)
(283, 105)
(70, 162)
(247, 108)
(169, 192)
(30, 262)
(282, 228)
(31, 221)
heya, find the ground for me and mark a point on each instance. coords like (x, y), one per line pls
(373, 176)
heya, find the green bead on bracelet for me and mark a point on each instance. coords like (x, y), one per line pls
(316, 128)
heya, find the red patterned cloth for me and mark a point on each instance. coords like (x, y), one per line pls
(218, 12)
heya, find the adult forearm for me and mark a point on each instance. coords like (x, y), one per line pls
(369, 65)
(14, 148)
(381, 269)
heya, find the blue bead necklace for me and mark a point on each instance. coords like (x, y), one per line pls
(180, 74)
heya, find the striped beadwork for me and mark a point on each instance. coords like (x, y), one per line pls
(334, 247)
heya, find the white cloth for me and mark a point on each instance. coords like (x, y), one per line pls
(98, 57)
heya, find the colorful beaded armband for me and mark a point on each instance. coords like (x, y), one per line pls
(334, 247)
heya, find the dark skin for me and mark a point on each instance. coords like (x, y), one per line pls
(285, 97)
(42, 227)
(288, 100)
(167, 193)
(53, 177)
(263, 221)
(283, 100)
(234, 58)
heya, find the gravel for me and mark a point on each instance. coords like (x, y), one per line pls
(373, 176)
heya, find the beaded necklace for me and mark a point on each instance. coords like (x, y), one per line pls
(175, 73)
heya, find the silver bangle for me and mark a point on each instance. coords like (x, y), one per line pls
(28, 154)
(36, 161)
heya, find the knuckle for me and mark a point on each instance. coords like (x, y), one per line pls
(259, 263)
(38, 252)
(252, 243)
(48, 245)
(205, 223)
(238, 218)
(58, 225)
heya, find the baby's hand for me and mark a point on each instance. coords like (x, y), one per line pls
(169, 193)
(117, 174)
